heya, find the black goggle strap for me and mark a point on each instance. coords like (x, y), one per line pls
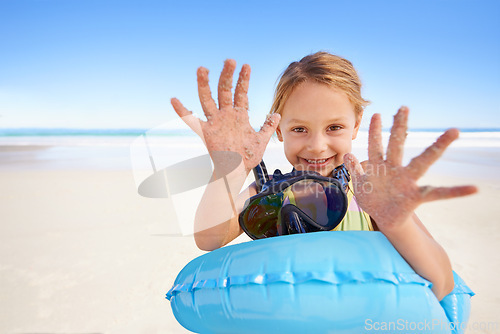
(260, 174)
(342, 175)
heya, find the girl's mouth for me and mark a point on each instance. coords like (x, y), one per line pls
(316, 163)
(319, 161)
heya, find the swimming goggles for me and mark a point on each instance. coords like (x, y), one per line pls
(296, 202)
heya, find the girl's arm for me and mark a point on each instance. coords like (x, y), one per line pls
(419, 259)
(391, 195)
(424, 254)
(234, 147)
(216, 221)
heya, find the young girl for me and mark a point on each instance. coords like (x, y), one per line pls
(316, 113)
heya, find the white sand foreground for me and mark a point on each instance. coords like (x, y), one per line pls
(82, 252)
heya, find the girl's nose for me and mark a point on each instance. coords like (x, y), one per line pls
(317, 143)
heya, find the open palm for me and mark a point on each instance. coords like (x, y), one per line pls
(388, 191)
(227, 128)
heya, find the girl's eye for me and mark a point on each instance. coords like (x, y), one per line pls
(334, 127)
(298, 130)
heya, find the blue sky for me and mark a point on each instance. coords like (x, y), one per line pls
(116, 64)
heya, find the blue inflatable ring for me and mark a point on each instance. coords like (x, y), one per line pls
(323, 282)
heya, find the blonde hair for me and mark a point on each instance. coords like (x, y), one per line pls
(321, 67)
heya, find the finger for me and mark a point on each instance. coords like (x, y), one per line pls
(206, 100)
(269, 127)
(187, 116)
(395, 148)
(241, 91)
(364, 165)
(353, 166)
(179, 108)
(375, 148)
(226, 83)
(420, 164)
(433, 194)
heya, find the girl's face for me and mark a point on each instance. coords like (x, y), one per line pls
(317, 126)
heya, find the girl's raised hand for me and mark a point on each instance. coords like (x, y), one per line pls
(227, 127)
(388, 191)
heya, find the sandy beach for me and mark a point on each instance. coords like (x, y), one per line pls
(82, 252)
